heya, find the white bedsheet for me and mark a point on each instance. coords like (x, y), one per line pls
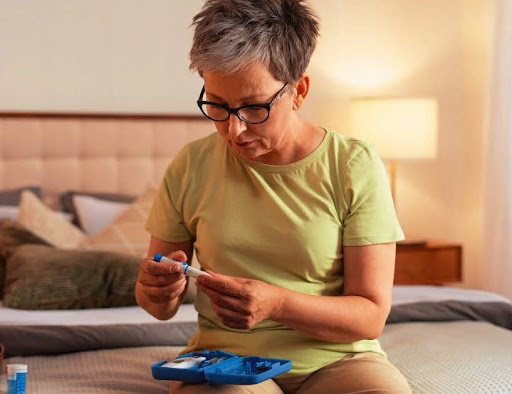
(98, 316)
(187, 313)
(409, 294)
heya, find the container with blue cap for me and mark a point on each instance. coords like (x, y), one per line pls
(16, 378)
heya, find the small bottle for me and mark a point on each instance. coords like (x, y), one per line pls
(16, 378)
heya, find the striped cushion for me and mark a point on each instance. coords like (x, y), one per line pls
(47, 224)
(43, 277)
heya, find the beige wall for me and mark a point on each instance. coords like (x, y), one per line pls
(97, 55)
(131, 56)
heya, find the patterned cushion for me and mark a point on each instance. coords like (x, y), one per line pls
(126, 234)
(47, 224)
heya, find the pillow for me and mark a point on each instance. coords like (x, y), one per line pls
(68, 205)
(42, 277)
(47, 224)
(94, 214)
(10, 213)
(10, 199)
(126, 234)
(13, 234)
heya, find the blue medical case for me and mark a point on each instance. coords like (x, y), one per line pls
(231, 370)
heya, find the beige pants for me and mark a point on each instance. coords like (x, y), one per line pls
(359, 373)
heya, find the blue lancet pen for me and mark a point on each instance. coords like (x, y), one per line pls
(184, 267)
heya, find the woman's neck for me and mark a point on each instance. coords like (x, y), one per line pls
(299, 142)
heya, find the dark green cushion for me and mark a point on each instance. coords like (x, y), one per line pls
(13, 234)
(42, 277)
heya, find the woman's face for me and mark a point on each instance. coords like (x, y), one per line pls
(255, 85)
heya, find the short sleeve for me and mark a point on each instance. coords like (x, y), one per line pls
(165, 220)
(371, 217)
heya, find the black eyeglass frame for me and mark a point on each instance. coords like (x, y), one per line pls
(267, 106)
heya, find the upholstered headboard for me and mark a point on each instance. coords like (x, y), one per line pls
(121, 154)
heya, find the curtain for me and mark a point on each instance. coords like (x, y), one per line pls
(497, 232)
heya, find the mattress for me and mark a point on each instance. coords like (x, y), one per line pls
(436, 358)
(461, 357)
(126, 370)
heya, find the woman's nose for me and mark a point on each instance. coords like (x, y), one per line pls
(235, 126)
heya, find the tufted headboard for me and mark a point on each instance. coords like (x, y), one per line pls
(96, 153)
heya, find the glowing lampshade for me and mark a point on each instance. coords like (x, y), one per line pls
(397, 128)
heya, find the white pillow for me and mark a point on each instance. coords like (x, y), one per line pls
(126, 234)
(9, 212)
(95, 214)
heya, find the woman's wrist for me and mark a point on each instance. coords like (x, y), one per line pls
(278, 295)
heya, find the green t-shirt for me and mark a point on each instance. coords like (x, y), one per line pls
(282, 224)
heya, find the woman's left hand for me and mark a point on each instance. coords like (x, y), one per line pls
(239, 302)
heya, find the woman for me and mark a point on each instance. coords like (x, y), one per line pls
(295, 223)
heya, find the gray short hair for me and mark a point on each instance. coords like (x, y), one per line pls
(231, 34)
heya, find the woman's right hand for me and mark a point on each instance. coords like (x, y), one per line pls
(162, 282)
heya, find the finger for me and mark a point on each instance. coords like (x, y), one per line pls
(165, 292)
(160, 280)
(153, 268)
(225, 284)
(165, 298)
(178, 255)
(236, 324)
(224, 300)
(226, 313)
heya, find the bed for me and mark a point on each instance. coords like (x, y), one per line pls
(448, 351)
(444, 340)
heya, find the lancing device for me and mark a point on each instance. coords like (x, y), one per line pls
(184, 267)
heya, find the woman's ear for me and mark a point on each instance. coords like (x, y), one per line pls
(301, 91)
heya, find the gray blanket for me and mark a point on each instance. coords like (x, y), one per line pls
(498, 313)
(48, 340)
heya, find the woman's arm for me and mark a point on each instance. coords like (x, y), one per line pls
(160, 287)
(362, 310)
(359, 314)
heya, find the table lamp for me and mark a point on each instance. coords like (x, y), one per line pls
(399, 128)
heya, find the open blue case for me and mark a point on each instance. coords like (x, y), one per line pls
(231, 370)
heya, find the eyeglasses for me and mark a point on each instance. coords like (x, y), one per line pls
(253, 114)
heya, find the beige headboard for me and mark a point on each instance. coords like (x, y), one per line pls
(91, 152)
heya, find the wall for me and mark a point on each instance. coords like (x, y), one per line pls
(131, 56)
(97, 56)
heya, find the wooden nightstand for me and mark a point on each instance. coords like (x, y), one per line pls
(433, 263)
